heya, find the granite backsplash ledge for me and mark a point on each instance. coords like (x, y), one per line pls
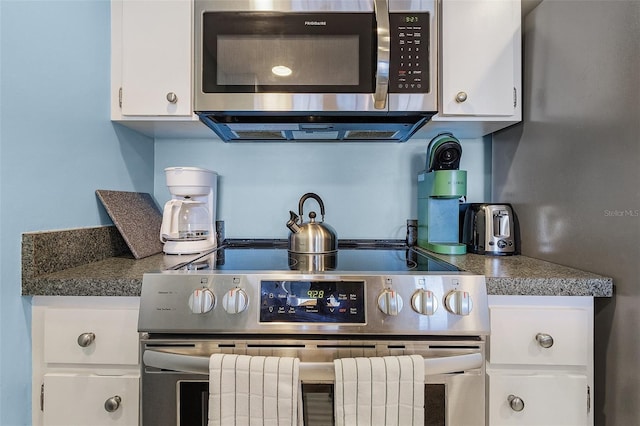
(49, 256)
(52, 251)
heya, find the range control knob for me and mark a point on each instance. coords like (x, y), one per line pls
(424, 302)
(390, 302)
(235, 301)
(458, 302)
(201, 301)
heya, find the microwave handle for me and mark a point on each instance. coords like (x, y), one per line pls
(381, 9)
(308, 370)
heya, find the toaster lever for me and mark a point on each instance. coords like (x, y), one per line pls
(501, 224)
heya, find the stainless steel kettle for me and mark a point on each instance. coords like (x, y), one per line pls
(311, 237)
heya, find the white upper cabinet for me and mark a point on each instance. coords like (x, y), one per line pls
(151, 58)
(478, 72)
(480, 67)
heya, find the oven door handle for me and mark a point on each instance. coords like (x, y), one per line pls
(308, 370)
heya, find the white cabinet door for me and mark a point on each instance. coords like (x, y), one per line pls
(75, 377)
(114, 336)
(156, 58)
(553, 378)
(478, 75)
(548, 399)
(514, 332)
(79, 400)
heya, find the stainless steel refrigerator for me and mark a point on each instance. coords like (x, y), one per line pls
(572, 171)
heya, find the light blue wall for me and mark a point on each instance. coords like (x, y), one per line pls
(369, 189)
(57, 146)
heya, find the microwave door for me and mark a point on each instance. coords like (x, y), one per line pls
(300, 61)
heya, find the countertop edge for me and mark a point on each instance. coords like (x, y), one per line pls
(109, 270)
(45, 286)
(509, 286)
(95, 280)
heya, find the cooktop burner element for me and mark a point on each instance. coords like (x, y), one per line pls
(273, 255)
(367, 289)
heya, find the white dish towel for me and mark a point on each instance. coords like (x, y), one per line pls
(384, 391)
(254, 391)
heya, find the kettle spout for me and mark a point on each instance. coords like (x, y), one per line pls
(292, 224)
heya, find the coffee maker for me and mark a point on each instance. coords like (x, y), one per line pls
(189, 216)
(440, 187)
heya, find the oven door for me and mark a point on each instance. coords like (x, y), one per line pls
(175, 376)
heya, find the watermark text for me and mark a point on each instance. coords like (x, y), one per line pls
(622, 213)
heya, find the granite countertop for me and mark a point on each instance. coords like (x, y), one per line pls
(521, 275)
(94, 262)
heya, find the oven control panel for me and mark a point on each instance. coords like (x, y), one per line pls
(339, 303)
(313, 301)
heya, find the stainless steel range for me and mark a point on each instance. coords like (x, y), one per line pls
(371, 298)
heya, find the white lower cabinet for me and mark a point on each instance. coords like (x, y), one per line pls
(73, 399)
(540, 361)
(86, 367)
(546, 398)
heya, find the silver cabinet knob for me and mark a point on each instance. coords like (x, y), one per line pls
(515, 402)
(461, 97)
(85, 339)
(172, 97)
(112, 404)
(545, 340)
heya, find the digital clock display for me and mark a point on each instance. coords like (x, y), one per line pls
(411, 19)
(312, 301)
(315, 294)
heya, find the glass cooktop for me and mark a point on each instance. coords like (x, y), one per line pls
(272, 255)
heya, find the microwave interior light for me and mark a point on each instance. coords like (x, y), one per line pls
(262, 5)
(281, 71)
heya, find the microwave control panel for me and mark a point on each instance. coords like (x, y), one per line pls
(409, 56)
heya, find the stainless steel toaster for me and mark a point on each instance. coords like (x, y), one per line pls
(491, 229)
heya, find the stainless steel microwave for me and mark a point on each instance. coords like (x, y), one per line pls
(343, 69)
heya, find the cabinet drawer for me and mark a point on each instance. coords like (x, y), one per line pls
(115, 331)
(514, 329)
(549, 399)
(72, 399)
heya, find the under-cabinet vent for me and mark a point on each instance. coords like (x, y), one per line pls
(258, 135)
(370, 135)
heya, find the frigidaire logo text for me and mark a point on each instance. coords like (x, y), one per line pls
(315, 23)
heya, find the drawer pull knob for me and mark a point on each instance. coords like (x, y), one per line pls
(515, 402)
(461, 97)
(545, 340)
(85, 339)
(172, 97)
(112, 404)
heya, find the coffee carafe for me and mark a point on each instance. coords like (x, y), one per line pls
(188, 217)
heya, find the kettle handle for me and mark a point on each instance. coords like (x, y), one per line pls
(305, 197)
